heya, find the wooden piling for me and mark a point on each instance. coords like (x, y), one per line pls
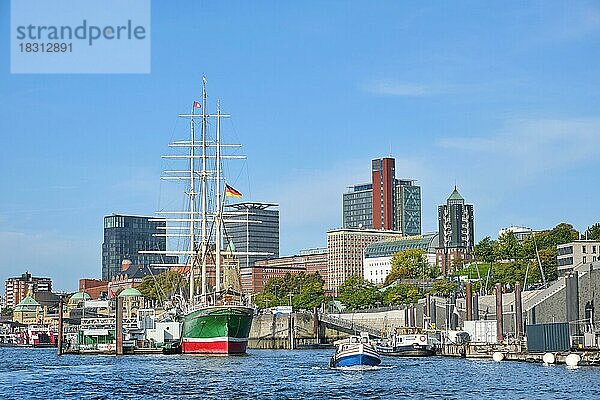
(499, 316)
(119, 326)
(518, 312)
(59, 338)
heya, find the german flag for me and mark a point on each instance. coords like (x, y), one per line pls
(229, 191)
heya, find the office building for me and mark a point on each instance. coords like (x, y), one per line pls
(386, 203)
(377, 260)
(345, 248)
(125, 236)
(16, 289)
(456, 230)
(252, 228)
(576, 253)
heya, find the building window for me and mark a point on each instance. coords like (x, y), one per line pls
(584, 259)
(584, 249)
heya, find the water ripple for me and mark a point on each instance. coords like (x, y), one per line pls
(265, 374)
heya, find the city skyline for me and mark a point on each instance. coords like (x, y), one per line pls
(506, 114)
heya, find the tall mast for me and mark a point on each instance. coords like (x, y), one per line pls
(204, 186)
(192, 197)
(218, 200)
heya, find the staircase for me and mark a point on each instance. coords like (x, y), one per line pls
(347, 326)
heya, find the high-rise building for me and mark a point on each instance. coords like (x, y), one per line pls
(345, 248)
(15, 289)
(253, 228)
(456, 230)
(125, 236)
(386, 203)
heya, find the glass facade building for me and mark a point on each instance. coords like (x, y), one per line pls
(358, 207)
(254, 228)
(125, 236)
(397, 202)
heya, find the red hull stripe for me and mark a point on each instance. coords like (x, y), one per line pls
(215, 347)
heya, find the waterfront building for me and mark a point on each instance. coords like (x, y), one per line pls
(308, 261)
(377, 259)
(133, 301)
(125, 236)
(345, 249)
(15, 289)
(35, 308)
(94, 287)
(386, 203)
(520, 232)
(456, 230)
(576, 253)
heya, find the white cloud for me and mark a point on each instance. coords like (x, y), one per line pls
(535, 146)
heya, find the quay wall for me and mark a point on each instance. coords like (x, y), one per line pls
(285, 331)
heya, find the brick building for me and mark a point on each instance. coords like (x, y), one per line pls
(308, 261)
(15, 289)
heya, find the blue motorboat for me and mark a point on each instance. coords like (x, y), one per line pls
(355, 351)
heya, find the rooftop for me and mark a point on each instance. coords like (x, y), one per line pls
(386, 248)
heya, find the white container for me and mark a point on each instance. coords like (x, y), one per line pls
(498, 356)
(481, 331)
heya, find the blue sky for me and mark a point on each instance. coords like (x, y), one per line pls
(499, 97)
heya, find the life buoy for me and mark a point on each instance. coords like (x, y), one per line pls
(422, 338)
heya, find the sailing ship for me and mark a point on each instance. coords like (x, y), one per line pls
(216, 317)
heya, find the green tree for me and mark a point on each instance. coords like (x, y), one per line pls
(265, 300)
(402, 294)
(306, 291)
(484, 250)
(162, 286)
(508, 247)
(311, 293)
(444, 287)
(593, 232)
(410, 263)
(356, 293)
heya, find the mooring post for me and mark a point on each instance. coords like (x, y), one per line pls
(499, 319)
(572, 302)
(518, 312)
(469, 301)
(59, 339)
(119, 326)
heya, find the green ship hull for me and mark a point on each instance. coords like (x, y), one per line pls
(217, 330)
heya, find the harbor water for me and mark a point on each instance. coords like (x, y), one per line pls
(270, 374)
